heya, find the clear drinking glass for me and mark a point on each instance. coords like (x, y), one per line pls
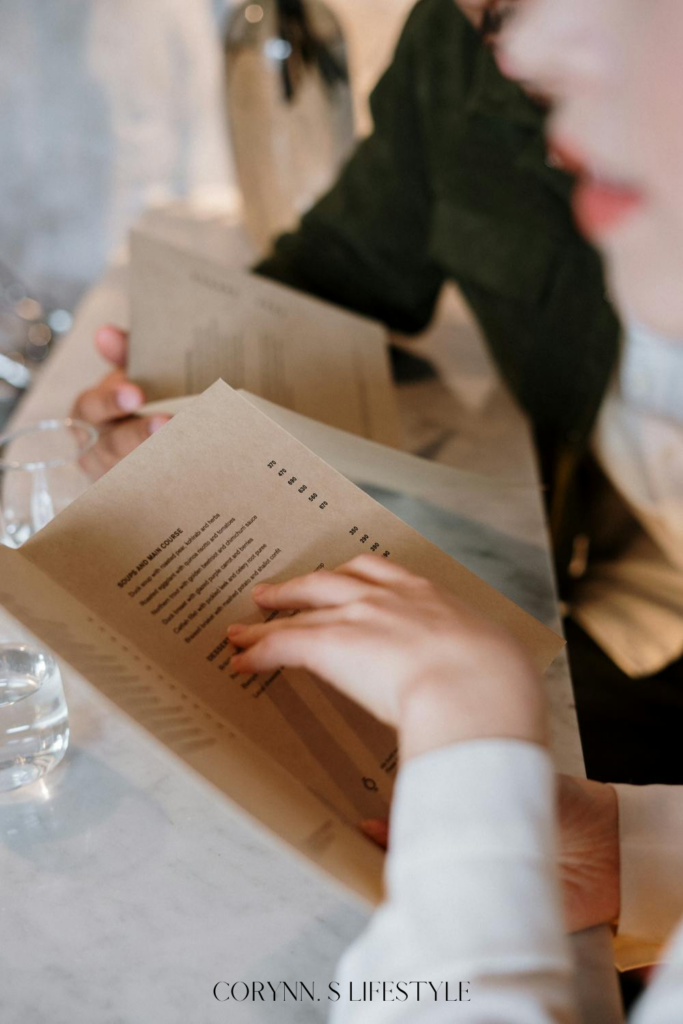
(40, 474)
(34, 723)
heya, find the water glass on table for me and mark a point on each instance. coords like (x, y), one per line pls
(34, 722)
(40, 474)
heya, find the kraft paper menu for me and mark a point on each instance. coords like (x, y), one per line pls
(194, 321)
(136, 582)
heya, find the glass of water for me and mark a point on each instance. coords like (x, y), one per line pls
(40, 474)
(34, 723)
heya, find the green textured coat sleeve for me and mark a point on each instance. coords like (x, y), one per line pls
(364, 245)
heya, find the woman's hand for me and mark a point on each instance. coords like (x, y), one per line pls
(588, 857)
(112, 406)
(406, 650)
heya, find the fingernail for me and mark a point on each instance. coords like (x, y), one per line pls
(235, 629)
(108, 334)
(259, 589)
(375, 830)
(157, 422)
(128, 399)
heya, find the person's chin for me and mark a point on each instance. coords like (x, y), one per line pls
(646, 286)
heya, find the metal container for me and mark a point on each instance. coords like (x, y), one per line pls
(289, 106)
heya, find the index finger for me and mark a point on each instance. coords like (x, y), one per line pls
(320, 589)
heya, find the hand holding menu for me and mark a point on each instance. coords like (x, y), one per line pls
(137, 581)
(195, 321)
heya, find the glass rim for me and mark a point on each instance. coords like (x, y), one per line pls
(36, 653)
(91, 437)
(29, 648)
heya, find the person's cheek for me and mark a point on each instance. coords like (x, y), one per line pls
(660, 101)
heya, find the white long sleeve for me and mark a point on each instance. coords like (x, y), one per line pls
(651, 852)
(472, 897)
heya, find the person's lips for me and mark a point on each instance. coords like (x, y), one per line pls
(600, 205)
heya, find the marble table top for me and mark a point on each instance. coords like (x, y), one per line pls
(129, 886)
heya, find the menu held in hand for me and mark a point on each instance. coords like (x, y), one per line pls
(292, 349)
(136, 583)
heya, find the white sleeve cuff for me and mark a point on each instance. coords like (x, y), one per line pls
(473, 828)
(471, 795)
(472, 889)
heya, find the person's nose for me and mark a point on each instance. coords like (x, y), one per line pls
(559, 46)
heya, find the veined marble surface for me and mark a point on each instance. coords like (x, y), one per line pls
(129, 887)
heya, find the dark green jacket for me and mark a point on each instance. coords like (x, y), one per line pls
(454, 184)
